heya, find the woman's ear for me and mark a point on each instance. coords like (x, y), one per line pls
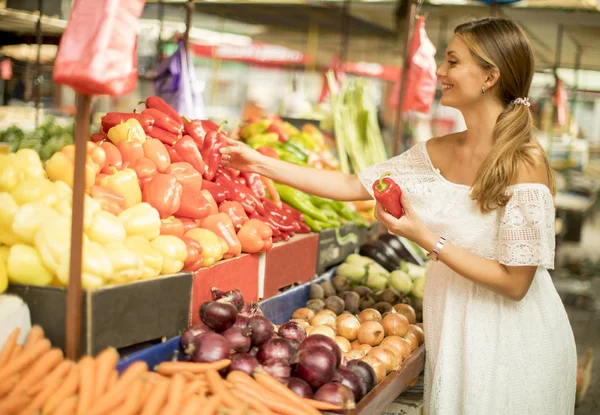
(492, 79)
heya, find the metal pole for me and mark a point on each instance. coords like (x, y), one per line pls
(161, 19)
(188, 24)
(82, 132)
(38, 68)
(574, 93)
(410, 17)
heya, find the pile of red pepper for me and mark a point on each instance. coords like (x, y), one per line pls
(178, 167)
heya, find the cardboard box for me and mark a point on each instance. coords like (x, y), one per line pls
(118, 316)
(288, 264)
(240, 272)
(335, 244)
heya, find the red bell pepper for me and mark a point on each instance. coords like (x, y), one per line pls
(193, 261)
(268, 151)
(241, 194)
(236, 213)
(216, 190)
(99, 178)
(255, 184)
(188, 224)
(276, 128)
(130, 151)
(163, 192)
(157, 152)
(211, 155)
(222, 226)
(274, 228)
(162, 120)
(110, 200)
(145, 169)
(294, 213)
(160, 104)
(193, 204)
(186, 174)
(304, 228)
(114, 118)
(113, 157)
(172, 153)
(197, 129)
(255, 236)
(163, 135)
(286, 223)
(187, 149)
(214, 209)
(388, 193)
(171, 226)
(271, 190)
(98, 137)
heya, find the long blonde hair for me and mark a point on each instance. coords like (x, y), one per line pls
(500, 43)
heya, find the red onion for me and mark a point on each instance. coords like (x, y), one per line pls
(292, 331)
(365, 372)
(210, 347)
(233, 297)
(352, 381)
(335, 394)
(262, 330)
(321, 340)
(251, 309)
(241, 321)
(244, 363)
(218, 316)
(253, 351)
(276, 348)
(316, 366)
(278, 368)
(187, 337)
(300, 388)
(239, 339)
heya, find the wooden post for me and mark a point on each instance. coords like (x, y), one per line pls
(82, 132)
(161, 19)
(410, 17)
(574, 94)
(188, 24)
(345, 32)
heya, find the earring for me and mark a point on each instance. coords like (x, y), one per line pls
(482, 91)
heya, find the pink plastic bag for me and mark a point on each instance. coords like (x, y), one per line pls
(97, 53)
(421, 79)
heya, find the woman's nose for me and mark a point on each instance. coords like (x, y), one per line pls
(441, 70)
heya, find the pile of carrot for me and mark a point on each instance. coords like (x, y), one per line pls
(36, 379)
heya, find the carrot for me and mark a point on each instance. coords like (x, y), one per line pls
(283, 391)
(274, 403)
(174, 400)
(170, 368)
(241, 410)
(58, 373)
(193, 406)
(87, 366)
(67, 407)
(112, 380)
(115, 395)
(157, 399)
(105, 363)
(25, 358)
(244, 381)
(211, 405)
(8, 385)
(66, 389)
(39, 371)
(35, 334)
(17, 350)
(147, 390)
(322, 406)
(41, 398)
(253, 401)
(217, 386)
(193, 388)
(13, 404)
(9, 346)
(133, 402)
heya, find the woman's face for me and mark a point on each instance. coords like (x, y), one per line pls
(461, 77)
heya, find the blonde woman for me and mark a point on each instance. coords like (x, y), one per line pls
(498, 339)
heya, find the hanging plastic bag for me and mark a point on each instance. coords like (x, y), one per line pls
(421, 79)
(176, 83)
(97, 53)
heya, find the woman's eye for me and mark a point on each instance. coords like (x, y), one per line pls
(452, 63)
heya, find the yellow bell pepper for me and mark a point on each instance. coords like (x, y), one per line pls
(4, 250)
(53, 240)
(63, 191)
(3, 277)
(32, 190)
(106, 228)
(91, 207)
(9, 176)
(61, 167)
(28, 219)
(125, 183)
(96, 267)
(25, 266)
(141, 220)
(8, 209)
(127, 265)
(127, 131)
(212, 249)
(151, 257)
(28, 164)
(174, 252)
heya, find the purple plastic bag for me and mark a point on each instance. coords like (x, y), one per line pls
(176, 83)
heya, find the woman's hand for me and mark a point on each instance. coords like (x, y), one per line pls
(239, 156)
(409, 225)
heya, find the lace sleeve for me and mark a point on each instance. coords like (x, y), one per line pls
(526, 235)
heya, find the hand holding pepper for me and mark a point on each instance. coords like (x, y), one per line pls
(388, 193)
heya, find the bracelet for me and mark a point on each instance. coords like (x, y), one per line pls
(433, 255)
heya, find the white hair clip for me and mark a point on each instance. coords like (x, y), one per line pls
(522, 101)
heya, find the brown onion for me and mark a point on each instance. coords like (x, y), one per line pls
(369, 314)
(421, 325)
(328, 311)
(343, 343)
(412, 341)
(342, 316)
(371, 333)
(395, 324)
(377, 366)
(323, 319)
(418, 332)
(324, 330)
(303, 323)
(355, 344)
(348, 328)
(408, 311)
(303, 314)
(352, 355)
(398, 343)
(365, 348)
(387, 356)
(308, 329)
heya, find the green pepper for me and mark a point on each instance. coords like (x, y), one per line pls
(300, 201)
(306, 140)
(295, 148)
(255, 128)
(313, 224)
(261, 140)
(290, 158)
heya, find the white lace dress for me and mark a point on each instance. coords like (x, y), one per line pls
(486, 354)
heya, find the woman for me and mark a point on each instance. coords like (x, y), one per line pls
(498, 339)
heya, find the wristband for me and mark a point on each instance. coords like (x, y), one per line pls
(433, 255)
